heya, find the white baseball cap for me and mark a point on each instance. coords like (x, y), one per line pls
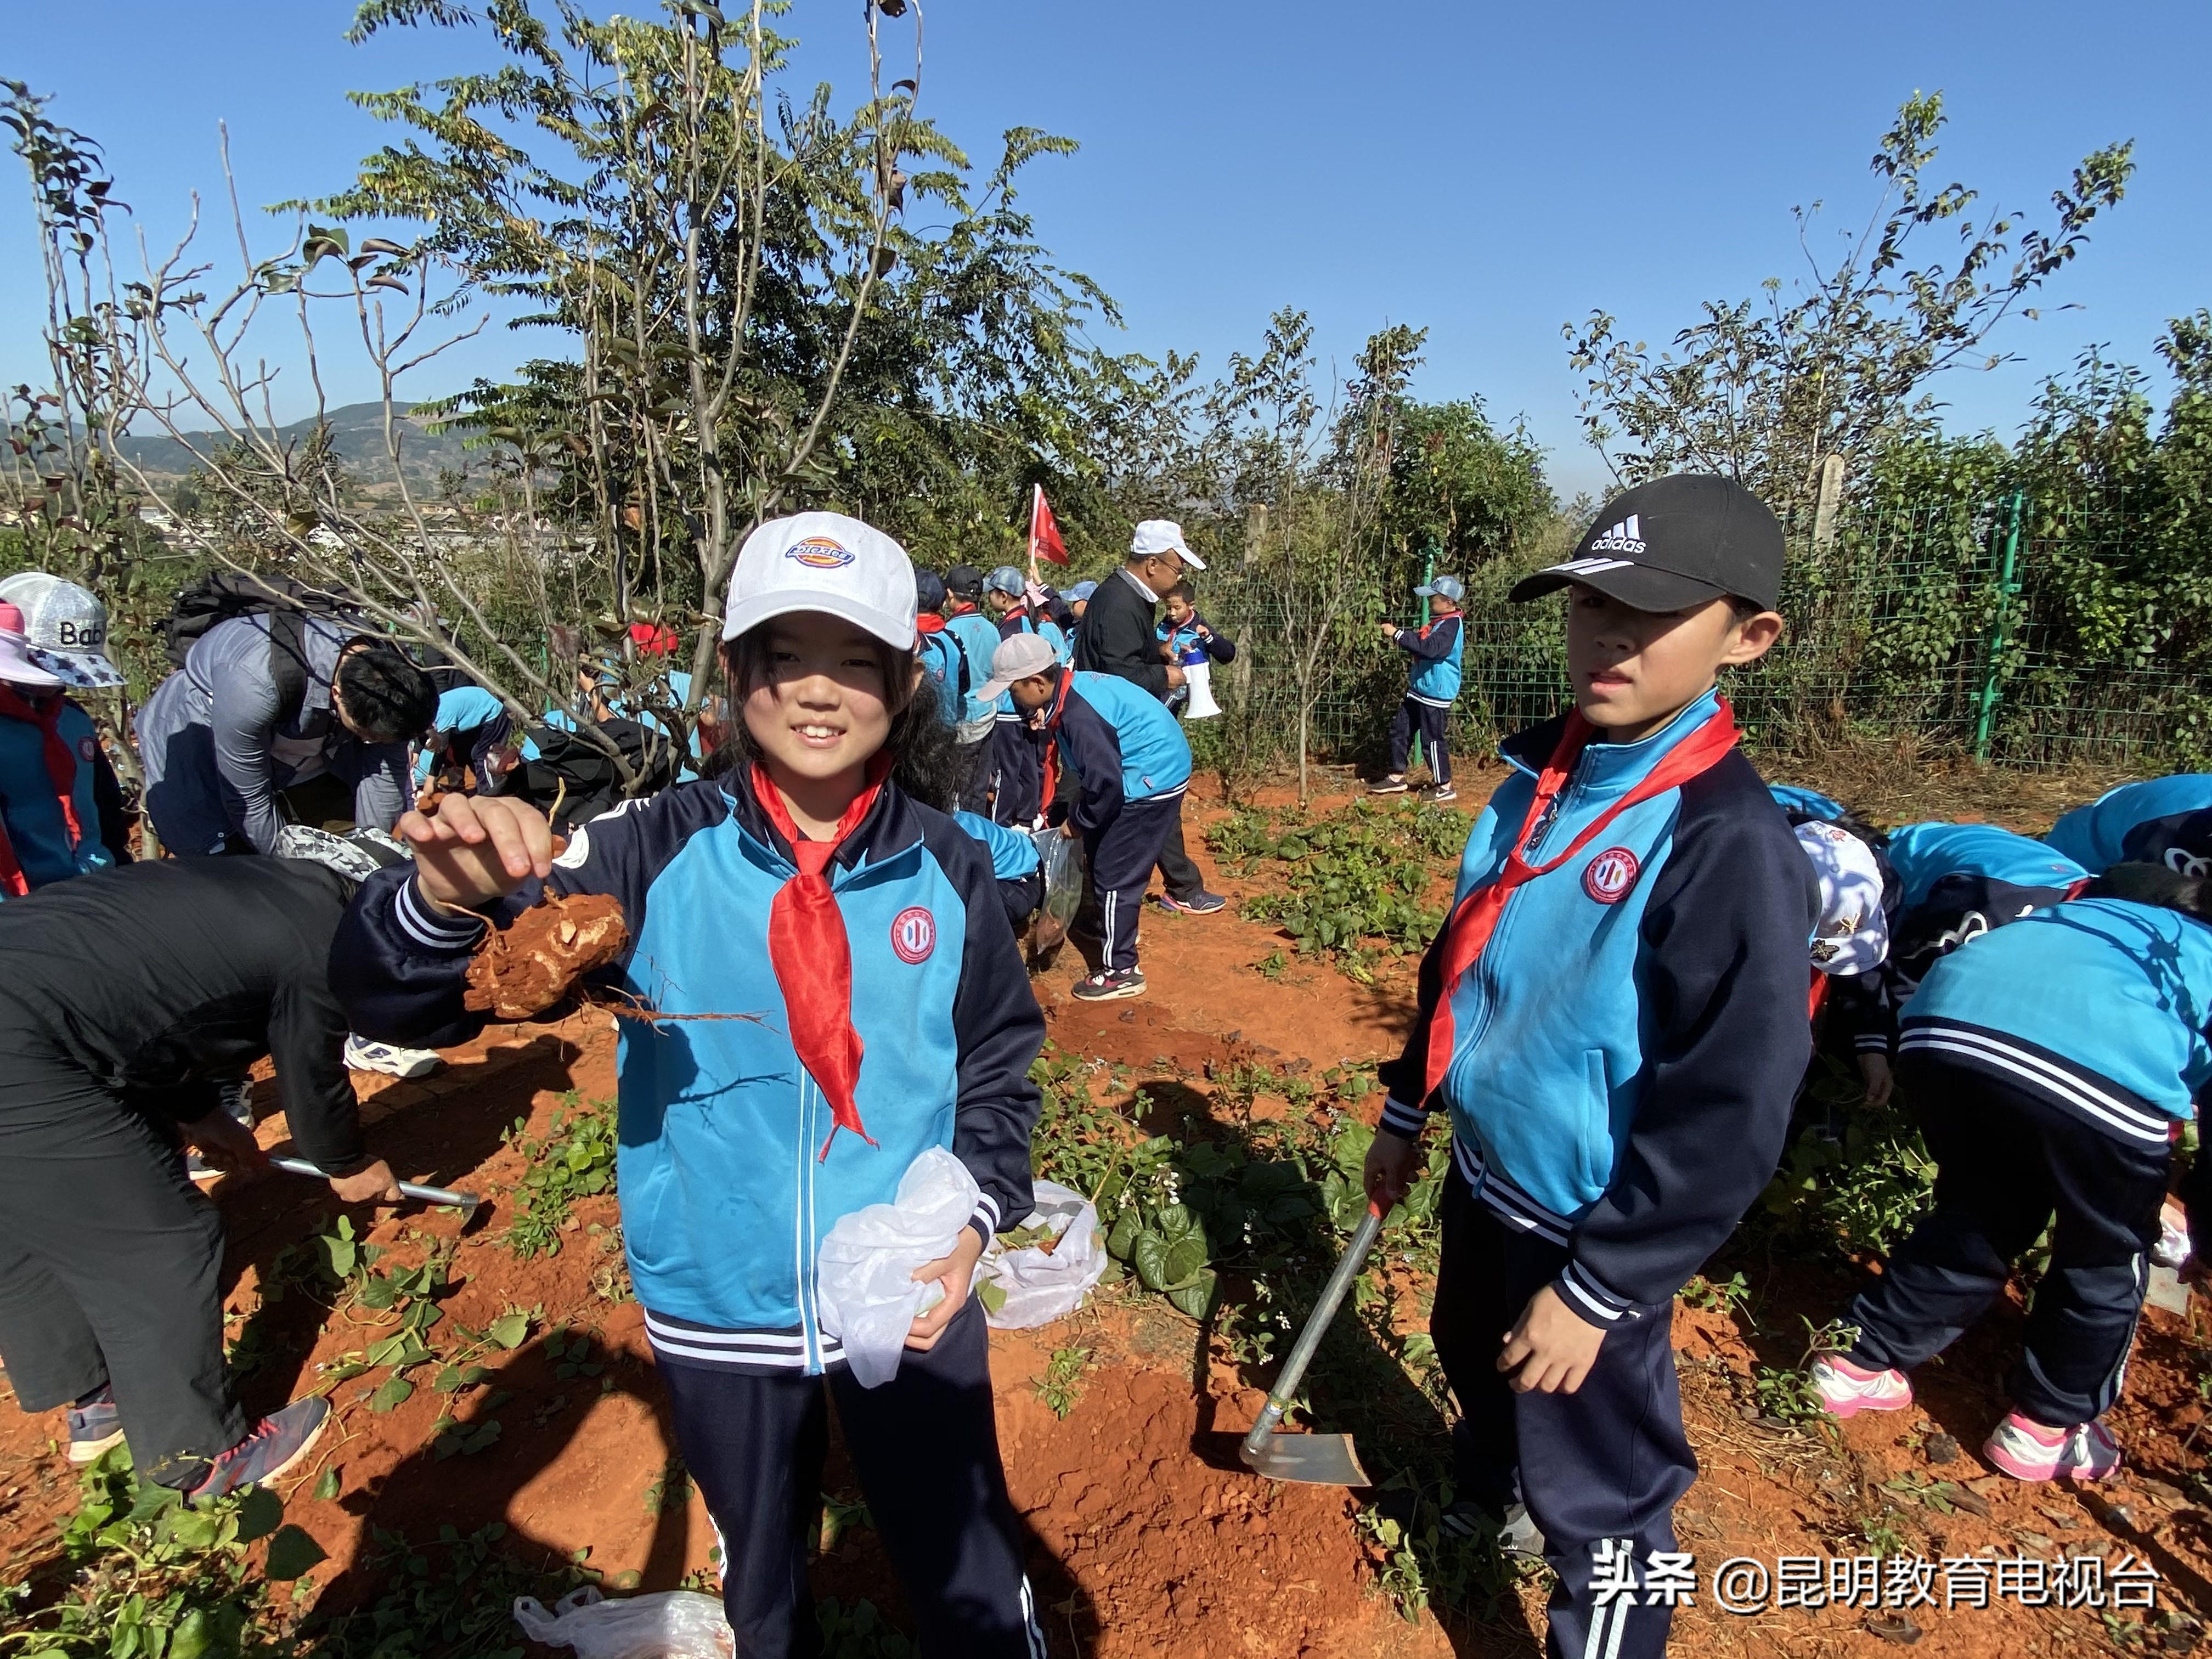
(824, 562)
(1163, 536)
(16, 666)
(66, 628)
(1019, 656)
(1853, 934)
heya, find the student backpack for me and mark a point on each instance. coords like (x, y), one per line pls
(220, 596)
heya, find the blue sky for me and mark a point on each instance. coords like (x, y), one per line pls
(1490, 172)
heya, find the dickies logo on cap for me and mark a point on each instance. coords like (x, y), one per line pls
(914, 934)
(819, 553)
(1609, 876)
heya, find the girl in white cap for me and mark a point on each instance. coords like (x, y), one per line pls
(856, 1000)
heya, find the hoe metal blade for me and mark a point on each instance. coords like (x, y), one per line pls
(1316, 1459)
(1320, 1460)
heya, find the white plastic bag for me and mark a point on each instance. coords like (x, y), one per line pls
(864, 1272)
(1060, 859)
(674, 1625)
(1042, 1286)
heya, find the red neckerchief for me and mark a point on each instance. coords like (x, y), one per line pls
(61, 772)
(962, 609)
(928, 622)
(1448, 616)
(1474, 921)
(1051, 723)
(812, 956)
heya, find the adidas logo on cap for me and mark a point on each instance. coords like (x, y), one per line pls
(1627, 536)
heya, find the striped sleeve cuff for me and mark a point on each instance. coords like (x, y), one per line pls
(434, 929)
(1402, 1120)
(1591, 1300)
(1871, 1042)
(985, 1218)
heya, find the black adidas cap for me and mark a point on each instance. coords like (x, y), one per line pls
(963, 581)
(1673, 543)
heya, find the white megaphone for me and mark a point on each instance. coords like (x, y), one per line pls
(1198, 680)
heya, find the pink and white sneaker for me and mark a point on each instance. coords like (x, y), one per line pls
(2026, 1450)
(1845, 1389)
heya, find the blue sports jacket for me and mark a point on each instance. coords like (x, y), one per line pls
(946, 664)
(31, 812)
(1627, 1047)
(977, 636)
(1120, 744)
(1191, 646)
(2123, 1049)
(2163, 821)
(1434, 650)
(1020, 622)
(1014, 861)
(1957, 881)
(725, 1195)
(1809, 805)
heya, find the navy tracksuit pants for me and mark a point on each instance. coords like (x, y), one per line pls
(1434, 724)
(1017, 758)
(925, 1447)
(1599, 1465)
(2008, 1166)
(1122, 853)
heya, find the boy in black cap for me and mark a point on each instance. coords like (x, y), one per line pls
(1619, 1071)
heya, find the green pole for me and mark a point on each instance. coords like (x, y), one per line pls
(2007, 585)
(1428, 575)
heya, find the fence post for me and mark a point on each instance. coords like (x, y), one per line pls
(1831, 498)
(2007, 585)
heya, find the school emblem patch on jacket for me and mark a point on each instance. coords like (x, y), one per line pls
(1610, 875)
(914, 934)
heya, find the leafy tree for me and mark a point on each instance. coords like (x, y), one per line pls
(1840, 363)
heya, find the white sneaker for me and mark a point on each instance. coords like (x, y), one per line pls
(1845, 1389)
(362, 1056)
(2026, 1450)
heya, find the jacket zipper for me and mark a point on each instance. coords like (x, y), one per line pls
(1484, 978)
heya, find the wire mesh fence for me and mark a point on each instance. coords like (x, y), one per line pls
(1940, 617)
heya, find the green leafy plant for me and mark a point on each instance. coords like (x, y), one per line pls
(1337, 881)
(576, 1159)
(1062, 1385)
(151, 1576)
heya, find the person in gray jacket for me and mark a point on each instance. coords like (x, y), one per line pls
(270, 701)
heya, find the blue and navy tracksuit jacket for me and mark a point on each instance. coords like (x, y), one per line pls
(1629, 1044)
(2162, 821)
(1120, 743)
(724, 1198)
(1956, 883)
(946, 664)
(30, 811)
(470, 723)
(1020, 622)
(1187, 642)
(2120, 1043)
(977, 636)
(1435, 648)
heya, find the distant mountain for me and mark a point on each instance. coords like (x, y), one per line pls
(356, 436)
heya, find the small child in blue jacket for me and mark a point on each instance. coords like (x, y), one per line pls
(1130, 764)
(1435, 647)
(2051, 1063)
(810, 885)
(1189, 639)
(1614, 1020)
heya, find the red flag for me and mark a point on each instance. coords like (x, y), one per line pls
(1044, 530)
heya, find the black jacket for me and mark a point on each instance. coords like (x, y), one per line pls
(1119, 637)
(161, 977)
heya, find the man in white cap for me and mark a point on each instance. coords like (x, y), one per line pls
(61, 812)
(1120, 636)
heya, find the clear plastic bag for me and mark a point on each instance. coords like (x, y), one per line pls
(864, 1272)
(1060, 859)
(673, 1625)
(1041, 1285)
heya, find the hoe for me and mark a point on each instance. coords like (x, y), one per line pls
(1320, 1460)
(465, 1202)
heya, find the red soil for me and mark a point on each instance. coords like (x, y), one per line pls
(520, 971)
(1147, 1538)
